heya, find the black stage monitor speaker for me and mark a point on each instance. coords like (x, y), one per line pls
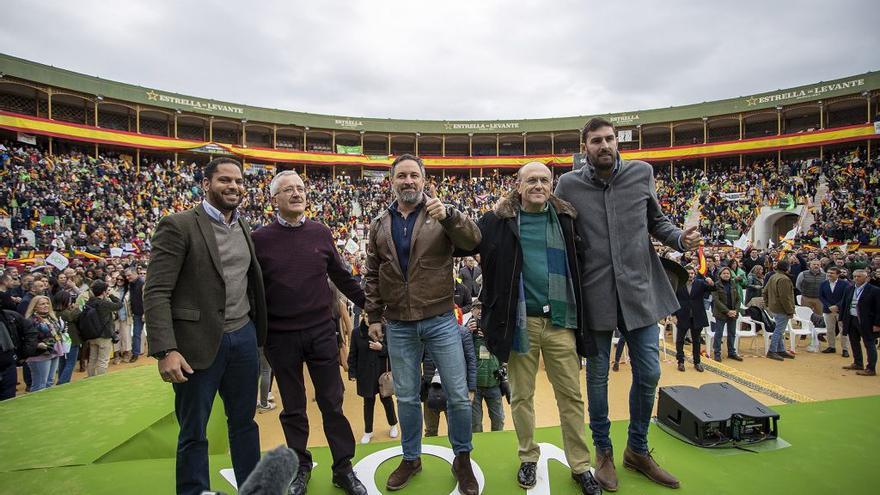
(715, 415)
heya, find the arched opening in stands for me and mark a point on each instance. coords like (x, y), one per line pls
(116, 116)
(655, 136)
(73, 108)
(511, 145)
(258, 136)
(20, 98)
(430, 146)
(457, 145)
(724, 128)
(376, 144)
(484, 145)
(403, 144)
(801, 118)
(760, 124)
(192, 127)
(687, 133)
(321, 141)
(568, 143)
(226, 131)
(539, 144)
(846, 111)
(156, 122)
(289, 138)
(780, 223)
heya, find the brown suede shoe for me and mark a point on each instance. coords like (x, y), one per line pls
(646, 465)
(606, 474)
(464, 474)
(854, 367)
(404, 472)
(866, 372)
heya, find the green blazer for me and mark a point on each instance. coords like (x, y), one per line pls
(184, 293)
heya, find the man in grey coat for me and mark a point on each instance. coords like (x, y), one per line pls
(624, 287)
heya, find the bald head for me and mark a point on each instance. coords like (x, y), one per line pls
(533, 184)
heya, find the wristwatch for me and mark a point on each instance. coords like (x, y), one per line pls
(161, 354)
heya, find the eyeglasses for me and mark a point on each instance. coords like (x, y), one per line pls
(288, 191)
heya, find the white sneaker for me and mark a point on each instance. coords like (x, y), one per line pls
(270, 397)
(268, 407)
(366, 438)
(395, 431)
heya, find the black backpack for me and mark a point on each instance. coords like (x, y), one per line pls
(90, 324)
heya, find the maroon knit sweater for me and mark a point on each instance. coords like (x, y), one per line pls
(296, 262)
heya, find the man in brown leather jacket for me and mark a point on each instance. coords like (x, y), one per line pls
(409, 284)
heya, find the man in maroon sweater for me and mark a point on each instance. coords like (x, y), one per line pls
(297, 255)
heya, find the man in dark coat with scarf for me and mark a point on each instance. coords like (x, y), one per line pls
(532, 305)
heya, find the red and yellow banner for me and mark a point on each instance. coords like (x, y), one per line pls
(78, 132)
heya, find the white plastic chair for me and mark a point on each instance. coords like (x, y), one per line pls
(663, 355)
(709, 331)
(803, 315)
(751, 332)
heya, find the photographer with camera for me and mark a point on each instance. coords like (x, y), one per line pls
(97, 328)
(489, 374)
(50, 342)
(532, 295)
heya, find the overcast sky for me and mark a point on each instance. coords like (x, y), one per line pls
(451, 59)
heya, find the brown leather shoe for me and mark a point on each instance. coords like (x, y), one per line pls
(866, 373)
(646, 465)
(605, 472)
(853, 367)
(464, 474)
(404, 472)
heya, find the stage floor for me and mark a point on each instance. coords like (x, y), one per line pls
(116, 434)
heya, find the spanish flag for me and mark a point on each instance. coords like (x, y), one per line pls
(702, 269)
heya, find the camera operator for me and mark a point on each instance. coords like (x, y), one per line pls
(489, 374)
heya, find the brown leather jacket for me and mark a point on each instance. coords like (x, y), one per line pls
(429, 285)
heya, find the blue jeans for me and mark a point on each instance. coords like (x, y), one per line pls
(777, 341)
(234, 374)
(66, 364)
(407, 341)
(137, 332)
(645, 361)
(492, 396)
(718, 334)
(42, 373)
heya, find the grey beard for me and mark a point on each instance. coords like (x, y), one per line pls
(409, 197)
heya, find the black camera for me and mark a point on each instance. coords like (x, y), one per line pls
(501, 375)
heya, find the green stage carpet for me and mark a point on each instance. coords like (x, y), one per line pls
(116, 434)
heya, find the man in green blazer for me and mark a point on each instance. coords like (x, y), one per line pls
(205, 307)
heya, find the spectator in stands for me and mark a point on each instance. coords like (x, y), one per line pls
(297, 255)
(101, 347)
(831, 294)
(413, 294)
(136, 304)
(18, 342)
(778, 294)
(122, 322)
(50, 342)
(755, 284)
(36, 287)
(808, 283)
(862, 322)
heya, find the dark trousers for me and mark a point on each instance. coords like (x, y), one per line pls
(234, 375)
(681, 334)
(370, 405)
(856, 339)
(317, 349)
(8, 375)
(720, 326)
(618, 349)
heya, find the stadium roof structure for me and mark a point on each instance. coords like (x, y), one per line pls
(857, 90)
